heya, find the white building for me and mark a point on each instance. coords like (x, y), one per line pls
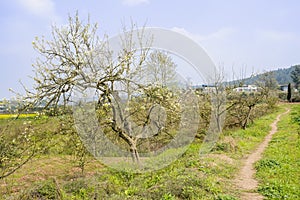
(246, 88)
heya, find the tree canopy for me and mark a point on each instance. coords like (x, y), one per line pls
(295, 75)
(129, 105)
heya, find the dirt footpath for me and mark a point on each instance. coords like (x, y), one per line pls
(245, 180)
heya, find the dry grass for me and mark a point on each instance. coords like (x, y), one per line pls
(61, 168)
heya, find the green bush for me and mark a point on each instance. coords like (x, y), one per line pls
(168, 196)
(225, 197)
(75, 186)
(276, 190)
(42, 191)
(282, 95)
(266, 163)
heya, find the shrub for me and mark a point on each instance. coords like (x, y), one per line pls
(266, 163)
(75, 186)
(225, 197)
(43, 190)
(275, 190)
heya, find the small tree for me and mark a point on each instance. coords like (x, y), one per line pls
(75, 59)
(289, 94)
(15, 151)
(160, 68)
(243, 108)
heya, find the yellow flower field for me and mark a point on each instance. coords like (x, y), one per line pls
(9, 116)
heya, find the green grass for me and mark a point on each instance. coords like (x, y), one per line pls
(189, 177)
(279, 170)
(240, 142)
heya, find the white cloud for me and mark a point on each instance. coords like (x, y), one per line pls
(42, 8)
(220, 34)
(196, 37)
(276, 35)
(134, 2)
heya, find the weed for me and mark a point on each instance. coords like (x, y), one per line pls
(168, 196)
(224, 197)
(43, 190)
(75, 186)
(266, 163)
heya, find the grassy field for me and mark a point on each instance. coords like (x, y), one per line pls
(55, 174)
(279, 169)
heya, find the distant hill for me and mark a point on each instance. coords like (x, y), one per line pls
(283, 76)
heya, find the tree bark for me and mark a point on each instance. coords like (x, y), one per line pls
(248, 117)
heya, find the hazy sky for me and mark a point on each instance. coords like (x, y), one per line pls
(255, 35)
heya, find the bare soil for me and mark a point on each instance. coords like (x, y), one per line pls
(245, 180)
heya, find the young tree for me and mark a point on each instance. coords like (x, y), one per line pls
(160, 68)
(243, 106)
(15, 150)
(75, 59)
(289, 94)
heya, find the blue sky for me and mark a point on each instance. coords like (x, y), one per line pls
(250, 36)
